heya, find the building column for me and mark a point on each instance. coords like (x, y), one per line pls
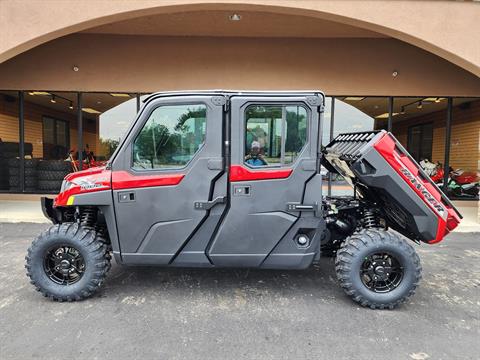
(80, 131)
(21, 140)
(448, 131)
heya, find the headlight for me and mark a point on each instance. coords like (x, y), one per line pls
(66, 185)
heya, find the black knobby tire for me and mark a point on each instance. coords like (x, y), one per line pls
(55, 165)
(361, 246)
(50, 184)
(29, 163)
(89, 244)
(29, 171)
(30, 181)
(52, 174)
(8, 154)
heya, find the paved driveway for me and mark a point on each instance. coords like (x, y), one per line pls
(156, 313)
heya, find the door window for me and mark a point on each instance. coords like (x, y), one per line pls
(419, 143)
(171, 137)
(274, 134)
(56, 140)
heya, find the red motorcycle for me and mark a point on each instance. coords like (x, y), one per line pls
(460, 183)
(88, 162)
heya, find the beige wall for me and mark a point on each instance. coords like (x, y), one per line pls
(449, 29)
(464, 148)
(152, 63)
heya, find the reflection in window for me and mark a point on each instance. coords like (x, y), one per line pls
(106, 120)
(9, 141)
(171, 137)
(420, 139)
(274, 135)
(56, 138)
(356, 114)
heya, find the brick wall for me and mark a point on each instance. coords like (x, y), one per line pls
(464, 148)
(9, 125)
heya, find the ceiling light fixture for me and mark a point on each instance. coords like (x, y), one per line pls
(75, 68)
(44, 93)
(420, 105)
(120, 95)
(385, 115)
(235, 17)
(354, 98)
(71, 106)
(53, 100)
(91, 111)
(433, 99)
(402, 110)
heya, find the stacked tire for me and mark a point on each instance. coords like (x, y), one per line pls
(4, 173)
(31, 179)
(7, 151)
(51, 174)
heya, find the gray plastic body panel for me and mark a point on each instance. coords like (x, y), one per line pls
(162, 227)
(255, 224)
(153, 228)
(355, 157)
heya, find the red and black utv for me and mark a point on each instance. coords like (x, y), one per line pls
(233, 179)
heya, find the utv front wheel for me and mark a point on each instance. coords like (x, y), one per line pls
(67, 262)
(378, 269)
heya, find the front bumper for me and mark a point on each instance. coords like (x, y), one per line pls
(48, 210)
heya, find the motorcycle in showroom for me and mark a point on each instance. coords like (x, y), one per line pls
(461, 184)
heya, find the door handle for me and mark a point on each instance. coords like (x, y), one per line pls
(126, 196)
(207, 205)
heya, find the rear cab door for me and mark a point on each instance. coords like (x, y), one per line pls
(166, 174)
(274, 144)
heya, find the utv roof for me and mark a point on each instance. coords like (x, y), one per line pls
(234, 92)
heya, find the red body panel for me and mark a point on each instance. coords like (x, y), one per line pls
(125, 180)
(90, 180)
(98, 178)
(241, 173)
(409, 171)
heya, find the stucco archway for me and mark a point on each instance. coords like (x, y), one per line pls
(404, 20)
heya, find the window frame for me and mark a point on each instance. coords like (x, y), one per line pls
(421, 126)
(147, 118)
(67, 133)
(283, 105)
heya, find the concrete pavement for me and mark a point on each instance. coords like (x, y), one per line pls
(157, 313)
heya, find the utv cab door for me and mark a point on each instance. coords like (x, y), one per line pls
(274, 183)
(168, 181)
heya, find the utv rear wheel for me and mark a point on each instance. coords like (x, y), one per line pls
(68, 262)
(378, 269)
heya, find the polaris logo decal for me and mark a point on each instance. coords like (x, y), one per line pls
(87, 184)
(425, 193)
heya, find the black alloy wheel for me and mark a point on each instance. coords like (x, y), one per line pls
(381, 272)
(64, 265)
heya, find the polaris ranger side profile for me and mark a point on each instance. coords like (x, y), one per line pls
(233, 179)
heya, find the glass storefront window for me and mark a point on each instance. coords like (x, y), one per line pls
(50, 129)
(356, 114)
(106, 117)
(419, 124)
(9, 141)
(51, 133)
(464, 177)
